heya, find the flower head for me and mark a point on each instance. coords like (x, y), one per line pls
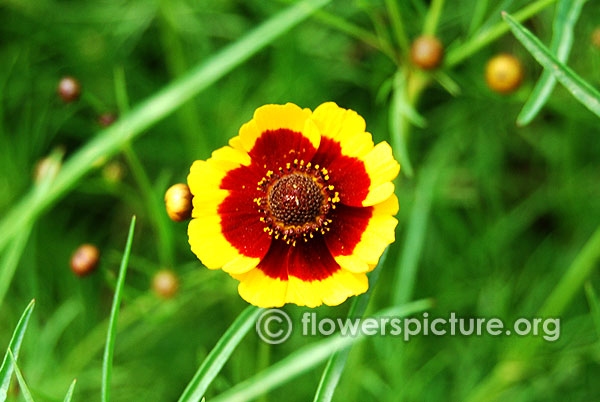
(298, 208)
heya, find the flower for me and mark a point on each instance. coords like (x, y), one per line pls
(298, 208)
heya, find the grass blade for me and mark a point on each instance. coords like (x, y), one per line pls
(335, 365)
(149, 112)
(579, 88)
(401, 113)
(567, 14)
(14, 346)
(70, 391)
(408, 262)
(594, 303)
(22, 384)
(479, 41)
(9, 263)
(304, 359)
(218, 356)
(574, 278)
(13, 255)
(114, 314)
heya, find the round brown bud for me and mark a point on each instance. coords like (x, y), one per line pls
(503, 73)
(85, 259)
(427, 52)
(178, 200)
(165, 284)
(106, 119)
(69, 89)
(596, 37)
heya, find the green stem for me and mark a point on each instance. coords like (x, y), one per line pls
(398, 25)
(152, 202)
(356, 32)
(177, 65)
(464, 51)
(433, 17)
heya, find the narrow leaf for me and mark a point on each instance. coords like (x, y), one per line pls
(579, 88)
(14, 347)
(216, 359)
(567, 13)
(408, 262)
(114, 314)
(336, 363)
(305, 358)
(401, 113)
(22, 384)
(69, 395)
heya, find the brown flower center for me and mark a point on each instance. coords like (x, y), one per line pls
(295, 201)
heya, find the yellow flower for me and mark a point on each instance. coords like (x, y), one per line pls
(298, 208)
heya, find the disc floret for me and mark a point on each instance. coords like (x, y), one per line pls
(295, 201)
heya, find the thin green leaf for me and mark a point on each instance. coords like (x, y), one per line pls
(218, 356)
(9, 263)
(402, 114)
(567, 14)
(114, 314)
(14, 347)
(11, 259)
(579, 88)
(306, 358)
(432, 18)
(149, 112)
(336, 363)
(460, 53)
(446, 82)
(397, 24)
(479, 10)
(69, 395)
(22, 384)
(574, 278)
(408, 262)
(594, 303)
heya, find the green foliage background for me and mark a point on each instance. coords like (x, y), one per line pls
(491, 220)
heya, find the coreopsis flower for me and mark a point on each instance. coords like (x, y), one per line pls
(298, 208)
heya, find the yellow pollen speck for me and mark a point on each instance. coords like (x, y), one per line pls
(326, 177)
(330, 187)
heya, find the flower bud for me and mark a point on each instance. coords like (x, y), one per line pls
(165, 284)
(85, 259)
(427, 52)
(178, 200)
(69, 89)
(503, 73)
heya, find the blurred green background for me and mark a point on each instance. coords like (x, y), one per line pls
(489, 223)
